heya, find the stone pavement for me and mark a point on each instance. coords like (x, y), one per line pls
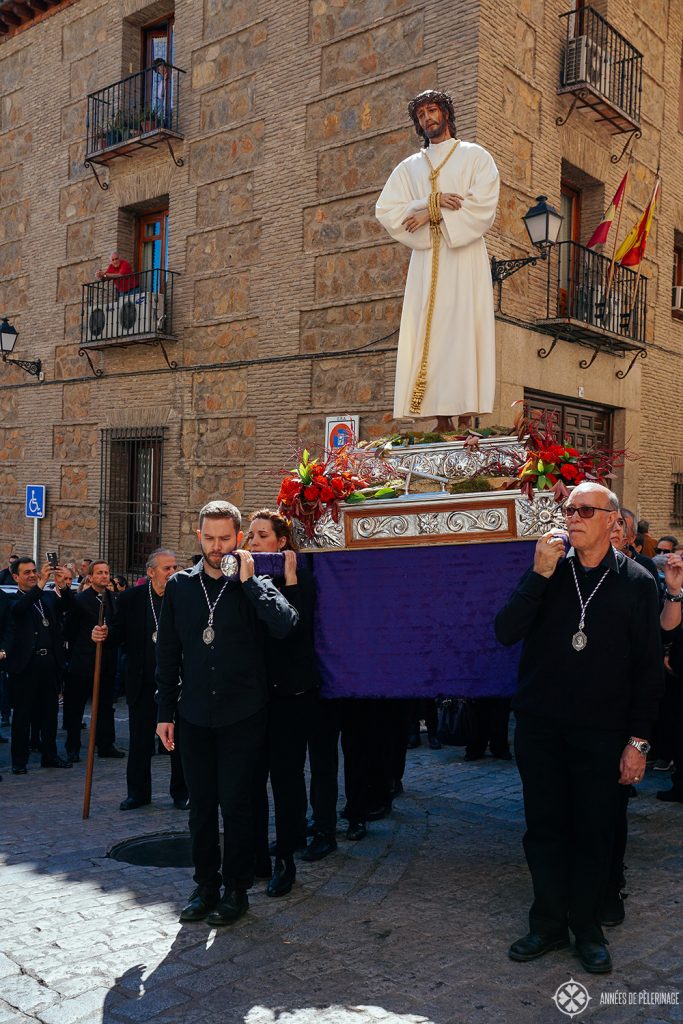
(410, 926)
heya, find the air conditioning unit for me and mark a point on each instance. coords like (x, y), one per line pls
(141, 313)
(101, 319)
(677, 297)
(585, 61)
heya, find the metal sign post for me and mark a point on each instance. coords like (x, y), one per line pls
(35, 510)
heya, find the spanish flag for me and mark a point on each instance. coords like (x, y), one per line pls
(632, 250)
(599, 236)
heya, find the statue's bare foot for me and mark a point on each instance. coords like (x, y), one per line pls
(444, 425)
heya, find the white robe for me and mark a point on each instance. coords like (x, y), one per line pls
(461, 374)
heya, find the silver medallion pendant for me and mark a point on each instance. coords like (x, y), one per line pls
(579, 640)
(154, 637)
(208, 635)
(46, 623)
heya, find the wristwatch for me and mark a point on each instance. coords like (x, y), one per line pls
(674, 598)
(642, 746)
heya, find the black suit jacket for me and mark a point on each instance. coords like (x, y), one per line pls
(133, 630)
(79, 625)
(22, 633)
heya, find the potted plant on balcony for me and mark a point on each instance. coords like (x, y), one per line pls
(149, 120)
(118, 129)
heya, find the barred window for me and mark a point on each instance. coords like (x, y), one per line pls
(677, 513)
(131, 506)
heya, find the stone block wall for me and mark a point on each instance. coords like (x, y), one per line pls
(293, 115)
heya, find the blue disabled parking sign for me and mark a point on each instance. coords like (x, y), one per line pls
(35, 501)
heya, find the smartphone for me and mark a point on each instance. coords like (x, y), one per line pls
(52, 558)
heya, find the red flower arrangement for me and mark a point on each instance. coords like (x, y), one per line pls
(552, 465)
(315, 487)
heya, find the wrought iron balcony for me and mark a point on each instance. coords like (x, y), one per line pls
(602, 70)
(591, 302)
(140, 111)
(136, 309)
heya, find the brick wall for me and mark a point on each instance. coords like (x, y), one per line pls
(294, 114)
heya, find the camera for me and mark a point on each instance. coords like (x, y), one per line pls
(52, 559)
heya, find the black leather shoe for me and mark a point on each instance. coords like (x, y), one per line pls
(111, 752)
(130, 803)
(231, 907)
(474, 757)
(502, 755)
(670, 796)
(201, 903)
(434, 743)
(594, 957)
(533, 945)
(19, 770)
(182, 804)
(73, 756)
(413, 742)
(377, 813)
(613, 911)
(284, 874)
(356, 831)
(55, 762)
(320, 846)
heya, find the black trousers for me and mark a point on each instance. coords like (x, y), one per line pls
(77, 691)
(572, 800)
(289, 726)
(422, 708)
(323, 756)
(489, 719)
(221, 766)
(34, 696)
(142, 723)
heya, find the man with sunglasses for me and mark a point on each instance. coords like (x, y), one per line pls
(590, 680)
(666, 545)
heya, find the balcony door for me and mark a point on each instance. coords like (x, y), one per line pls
(157, 46)
(152, 256)
(570, 231)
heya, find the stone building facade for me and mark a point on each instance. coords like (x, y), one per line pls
(287, 293)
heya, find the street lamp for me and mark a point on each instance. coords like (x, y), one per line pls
(8, 339)
(542, 223)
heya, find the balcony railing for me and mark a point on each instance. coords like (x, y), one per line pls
(602, 69)
(140, 110)
(590, 301)
(127, 310)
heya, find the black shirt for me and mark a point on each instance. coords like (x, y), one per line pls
(225, 681)
(616, 682)
(292, 663)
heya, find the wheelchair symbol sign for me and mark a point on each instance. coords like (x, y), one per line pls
(35, 501)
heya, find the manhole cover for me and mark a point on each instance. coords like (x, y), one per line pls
(158, 850)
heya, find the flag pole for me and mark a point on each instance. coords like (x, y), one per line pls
(634, 291)
(622, 204)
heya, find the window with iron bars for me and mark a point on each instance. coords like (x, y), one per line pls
(677, 513)
(131, 505)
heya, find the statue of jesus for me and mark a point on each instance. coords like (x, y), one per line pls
(441, 202)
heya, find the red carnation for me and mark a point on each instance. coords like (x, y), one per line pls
(311, 493)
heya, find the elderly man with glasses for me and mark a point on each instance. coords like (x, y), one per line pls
(590, 681)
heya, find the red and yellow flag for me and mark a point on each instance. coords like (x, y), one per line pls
(599, 236)
(632, 250)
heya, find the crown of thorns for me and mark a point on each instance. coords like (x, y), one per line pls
(442, 99)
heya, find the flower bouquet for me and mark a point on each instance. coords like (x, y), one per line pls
(316, 486)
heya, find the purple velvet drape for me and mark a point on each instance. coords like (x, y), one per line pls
(416, 622)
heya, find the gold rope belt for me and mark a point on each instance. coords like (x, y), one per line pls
(435, 217)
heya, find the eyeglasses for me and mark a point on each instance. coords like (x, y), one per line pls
(585, 511)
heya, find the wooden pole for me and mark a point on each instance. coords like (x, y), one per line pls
(93, 718)
(622, 204)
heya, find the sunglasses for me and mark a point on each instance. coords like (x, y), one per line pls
(662, 551)
(584, 511)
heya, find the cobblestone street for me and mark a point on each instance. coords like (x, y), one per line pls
(411, 925)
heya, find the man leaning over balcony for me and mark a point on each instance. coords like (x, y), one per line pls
(121, 273)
